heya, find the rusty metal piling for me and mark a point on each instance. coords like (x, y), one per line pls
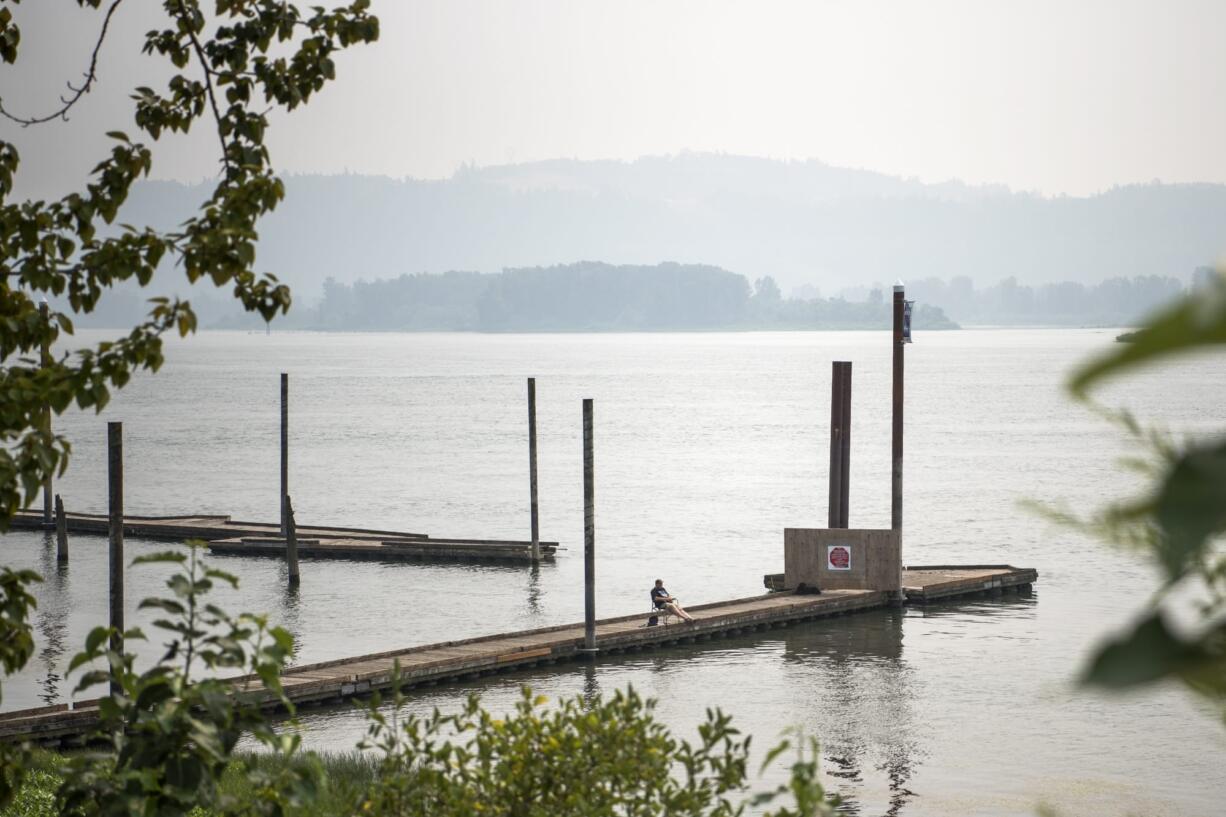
(589, 532)
(840, 444)
(896, 446)
(114, 445)
(532, 487)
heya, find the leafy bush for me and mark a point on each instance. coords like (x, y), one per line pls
(579, 757)
(169, 735)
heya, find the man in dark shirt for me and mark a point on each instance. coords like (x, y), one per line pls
(663, 601)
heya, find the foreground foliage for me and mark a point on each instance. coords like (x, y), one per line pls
(166, 742)
(578, 757)
(1180, 519)
(233, 66)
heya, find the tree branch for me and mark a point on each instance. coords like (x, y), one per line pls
(90, 76)
(208, 81)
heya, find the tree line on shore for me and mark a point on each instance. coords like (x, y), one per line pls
(1116, 301)
(593, 296)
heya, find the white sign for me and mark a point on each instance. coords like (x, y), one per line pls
(838, 557)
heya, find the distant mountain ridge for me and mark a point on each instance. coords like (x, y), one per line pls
(800, 222)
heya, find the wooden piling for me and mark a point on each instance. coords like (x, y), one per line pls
(589, 532)
(291, 543)
(896, 447)
(114, 444)
(61, 532)
(284, 451)
(44, 312)
(536, 525)
(840, 444)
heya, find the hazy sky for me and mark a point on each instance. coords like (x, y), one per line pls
(1059, 97)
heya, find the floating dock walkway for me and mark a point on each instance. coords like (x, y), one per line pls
(228, 537)
(332, 681)
(922, 584)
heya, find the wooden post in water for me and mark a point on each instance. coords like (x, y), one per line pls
(536, 524)
(44, 312)
(291, 543)
(284, 452)
(589, 532)
(840, 444)
(114, 448)
(61, 532)
(896, 447)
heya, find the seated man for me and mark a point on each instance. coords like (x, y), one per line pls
(663, 601)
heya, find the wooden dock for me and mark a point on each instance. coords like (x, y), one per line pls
(926, 583)
(391, 549)
(229, 537)
(331, 681)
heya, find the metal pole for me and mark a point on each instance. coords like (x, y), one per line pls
(589, 532)
(845, 448)
(44, 312)
(284, 452)
(291, 543)
(536, 523)
(834, 515)
(896, 448)
(61, 532)
(840, 444)
(114, 444)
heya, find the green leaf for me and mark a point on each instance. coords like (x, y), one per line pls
(228, 578)
(169, 605)
(1191, 505)
(1149, 653)
(1196, 320)
(161, 556)
(96, 638)
(779, 749)
(92, 678)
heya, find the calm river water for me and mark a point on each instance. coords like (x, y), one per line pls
(708, 445)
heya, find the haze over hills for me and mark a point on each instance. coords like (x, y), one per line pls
(802, 223)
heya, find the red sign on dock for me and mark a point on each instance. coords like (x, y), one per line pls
(838, 557)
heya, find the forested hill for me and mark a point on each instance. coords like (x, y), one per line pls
(799, 222)
(591, 296)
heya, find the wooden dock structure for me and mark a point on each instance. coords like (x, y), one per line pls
(328, 682)
(922, 584)
(226, 536)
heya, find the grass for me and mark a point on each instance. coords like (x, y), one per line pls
(347, 775)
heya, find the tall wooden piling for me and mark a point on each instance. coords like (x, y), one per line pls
(61, 532)
(589, 532)
(44, 312)
(291, 543)
(284, 452)
(840, 444)
(114, 447)
(896, 447)
(536, 524)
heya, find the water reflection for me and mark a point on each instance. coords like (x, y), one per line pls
(534, 590)
(289, 613)
(862, 702)
(51, 621)
(591, 683)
